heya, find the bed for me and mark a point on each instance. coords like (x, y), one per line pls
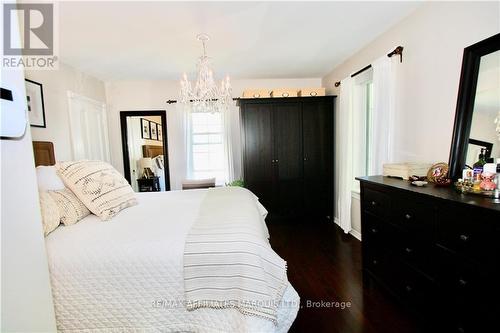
(126, 274)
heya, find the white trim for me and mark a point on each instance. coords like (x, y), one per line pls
(354, 233)
(356, 195)
(103, 122)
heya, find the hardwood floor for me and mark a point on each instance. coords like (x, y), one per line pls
(324, 264)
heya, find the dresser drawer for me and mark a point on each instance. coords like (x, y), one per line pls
(415, 215)
(377, 233)
(469, 294)
(376, 202)
(417, 253)
(466, 283)
(415, 289)
(471, 232)
(381, 266)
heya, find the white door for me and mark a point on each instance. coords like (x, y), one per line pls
(88, 127)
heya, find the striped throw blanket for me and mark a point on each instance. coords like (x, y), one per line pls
(228, 262)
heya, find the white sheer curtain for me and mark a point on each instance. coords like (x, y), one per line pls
(382, 120)
(177, 144)
(344, 158)
(227, 116)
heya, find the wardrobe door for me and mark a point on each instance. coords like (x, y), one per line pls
(287, 132)
(258, 157)
(317, 117)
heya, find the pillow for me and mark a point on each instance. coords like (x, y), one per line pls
(70, 208)
(98, 185)
(48, 179)
(50, 213)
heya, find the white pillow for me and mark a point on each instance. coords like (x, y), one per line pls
(48, 179)
(50, 213)
(71, 209)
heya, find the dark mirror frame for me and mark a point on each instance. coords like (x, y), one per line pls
(124, 132)
(465, 102)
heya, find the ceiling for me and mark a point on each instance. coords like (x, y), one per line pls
(156, 40)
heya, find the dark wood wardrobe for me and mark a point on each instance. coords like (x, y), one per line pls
(288, 154)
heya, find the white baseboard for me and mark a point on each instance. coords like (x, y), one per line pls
(354, 233)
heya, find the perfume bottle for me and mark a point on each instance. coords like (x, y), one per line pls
(478, 166)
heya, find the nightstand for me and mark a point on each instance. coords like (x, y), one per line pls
(149, 184)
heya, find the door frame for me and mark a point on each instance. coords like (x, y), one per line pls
(124, 135)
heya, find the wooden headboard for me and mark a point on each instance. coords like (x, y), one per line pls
(151, 151)
(44, 153)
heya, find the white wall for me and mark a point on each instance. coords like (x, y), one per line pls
(152, 95)
(433, 37)
(55, 87)
(26, 304)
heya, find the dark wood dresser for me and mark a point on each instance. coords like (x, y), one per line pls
(436, 250)
(288, 153)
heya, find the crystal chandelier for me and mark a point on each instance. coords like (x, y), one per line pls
(206, 96)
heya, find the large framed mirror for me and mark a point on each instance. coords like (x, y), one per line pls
(477, 119)
(145, 150)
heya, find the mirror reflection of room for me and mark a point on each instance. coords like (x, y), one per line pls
(484, 138)
(146, 153)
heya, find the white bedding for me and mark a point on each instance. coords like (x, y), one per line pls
(126, 275)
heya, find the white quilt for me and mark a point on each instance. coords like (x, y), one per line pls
(126, 275)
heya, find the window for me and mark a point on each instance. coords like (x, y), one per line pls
(362, 118)
(206, 147)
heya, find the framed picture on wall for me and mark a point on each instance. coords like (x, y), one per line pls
(158, 130)
(154, 133)
(35, 104)
(145, 126)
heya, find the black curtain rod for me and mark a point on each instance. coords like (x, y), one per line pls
(173, 101)
(397, 51)
(361, 70)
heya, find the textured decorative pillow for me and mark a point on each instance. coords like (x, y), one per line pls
(98, 185)
(50, 213)
(71, 209)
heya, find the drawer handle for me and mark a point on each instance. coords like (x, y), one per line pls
(374, 231)
(408, 288)
(464, 238)
(462, 282)
(408, 216)
(408, 250)
(374, 203)
(375, 261)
